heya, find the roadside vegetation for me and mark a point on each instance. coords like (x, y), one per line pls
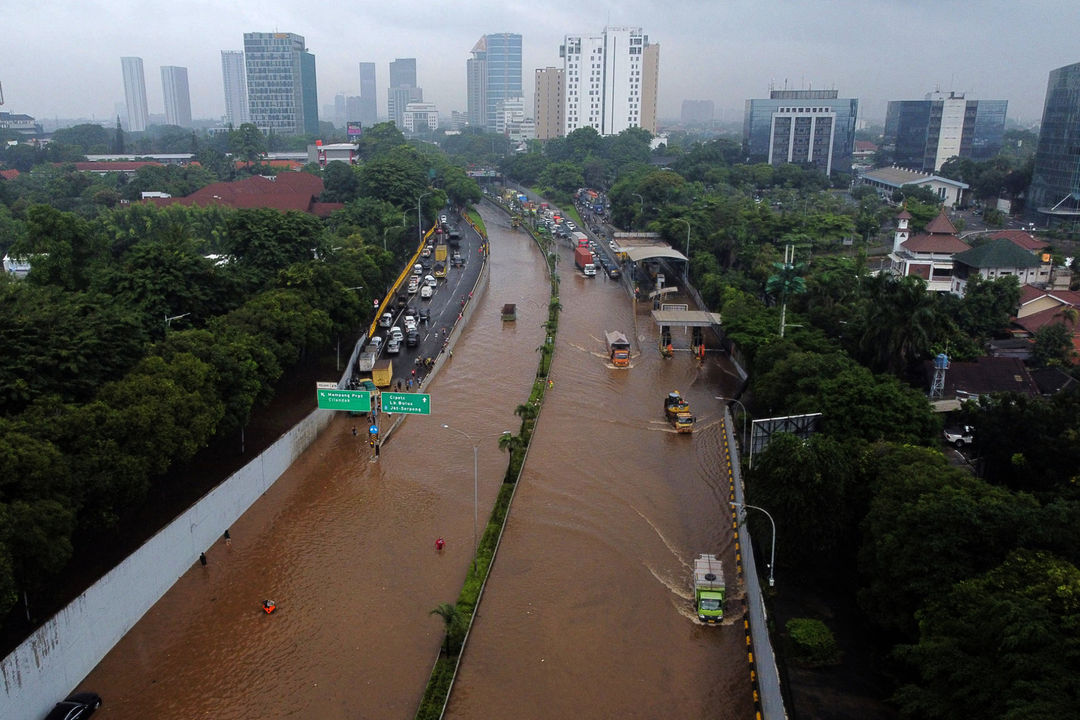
(144, 333)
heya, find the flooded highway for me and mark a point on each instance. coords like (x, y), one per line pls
(588, 611)
(345, 546)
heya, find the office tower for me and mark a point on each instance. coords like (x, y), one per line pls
(610, 80)
(1055, 182)
(138, 117)
(419, 117)
(354, 110)
(368, 114)
(282, 93)
(548, 102)
(476, 84)
(234, 78)
(403, 89)
(174, 85)
(923, 134)
(493, 73)
(697, 112)
(806, 127)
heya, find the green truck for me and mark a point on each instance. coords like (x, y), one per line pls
(709, 590)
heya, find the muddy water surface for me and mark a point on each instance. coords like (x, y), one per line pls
(588, 612)
(346, 548)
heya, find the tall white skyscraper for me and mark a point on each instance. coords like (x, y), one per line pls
(235, 81)
(138, 117)
(174, 85)
(611, 80)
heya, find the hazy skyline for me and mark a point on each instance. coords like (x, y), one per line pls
(67, 60)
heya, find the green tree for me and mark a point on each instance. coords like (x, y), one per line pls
(454, 623)
(988, 305)
(898, 323)
(1053, 345)
(1000, 645)
(248, 143)
(340, 181)
(118, 141)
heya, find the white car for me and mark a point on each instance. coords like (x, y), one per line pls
(410, 323)
(386, 320)
(393, 347)
(426, 292)
(396, 333)
(414, 284)
(430, 281)
(425, 253)
(375, 342)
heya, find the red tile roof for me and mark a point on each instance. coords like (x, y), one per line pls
(1065, 297)
(1023, 239)
(948, 244)
(287, 191)
(9, 174)
(1041, 319)
(941, 225)
(904, 215)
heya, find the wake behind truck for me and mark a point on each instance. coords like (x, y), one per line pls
(583, 260)
(709, 589)
(618, 348)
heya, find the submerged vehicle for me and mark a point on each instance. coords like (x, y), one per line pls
(509, 312)
(618, 348)
(678, 413)
(709, 590)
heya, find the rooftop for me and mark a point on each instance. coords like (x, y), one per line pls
(1022, 239)
(898, 177)
(999, 253)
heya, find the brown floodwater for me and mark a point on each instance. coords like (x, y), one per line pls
(345, 546)
(588, 612)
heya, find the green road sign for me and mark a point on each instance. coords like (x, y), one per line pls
(351, 400)
(410, 403)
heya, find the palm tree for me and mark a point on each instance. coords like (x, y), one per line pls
(900, 319)
(510, 443)
(787, 281)
(453, 620)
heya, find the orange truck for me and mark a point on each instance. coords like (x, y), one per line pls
(618, 348)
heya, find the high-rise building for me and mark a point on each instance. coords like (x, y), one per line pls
(403, 89)
(697, 112)
(548, 102)
(138, 116)
(611, 81)
(354, 109)
(419, 117)
(923, 134)
(493, 73)
(233, 76)
(368, 113)
(281, 83)
(476, 83)
(805, 127)
(174, 85)
(1055, 182)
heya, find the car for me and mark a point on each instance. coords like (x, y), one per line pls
(410, 324)
(961, 436)
(418, 269)
(376, 341)
(412, 338)
(571, 225)
(430, 281)
(614, 248)
(426, 292)
(425, 253)
(442, 219)
(396, 333)
(425, 315)
(393, 347)
(386, 320)
(613, 272)
(414, 284)
(76, 707)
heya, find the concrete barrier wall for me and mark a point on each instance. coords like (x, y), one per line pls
(56, 657)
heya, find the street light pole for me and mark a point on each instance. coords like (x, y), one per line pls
(419, 221)
(686, 269)
(746, 440)
(772, 552)
(476, 484)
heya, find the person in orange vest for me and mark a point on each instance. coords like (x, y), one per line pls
(269, 606)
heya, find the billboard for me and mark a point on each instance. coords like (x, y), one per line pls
(354, 129)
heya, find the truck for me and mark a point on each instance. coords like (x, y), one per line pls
(709, 589)
(382, 374)
(618, 348)
(678, 413)
(366, 361)
(440, 260)
(580, 239)
(584, 260)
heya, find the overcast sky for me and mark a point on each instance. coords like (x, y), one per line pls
(62, 59)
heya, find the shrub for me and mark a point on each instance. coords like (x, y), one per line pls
(812, 643)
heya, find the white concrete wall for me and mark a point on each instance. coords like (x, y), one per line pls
(52, 661)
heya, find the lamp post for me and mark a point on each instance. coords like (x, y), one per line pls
(772, 552)
(686, 270)
(419, 222)
(168, 320)
(746, 440)
(476, 482)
